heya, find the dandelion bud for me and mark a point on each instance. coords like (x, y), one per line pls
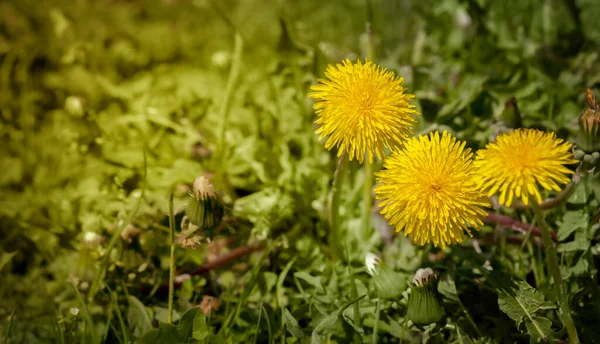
(511, 115)
(203, 188)
(424, 306)
(590, 119)
(578, 154)
(372, 263)
(204, 210)
(129, 233)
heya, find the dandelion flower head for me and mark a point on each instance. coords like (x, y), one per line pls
(362, 109)
(520, 161)
(428, 189)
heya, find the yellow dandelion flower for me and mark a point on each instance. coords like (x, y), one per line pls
(429, 190)
(518, 161)
(362, 109)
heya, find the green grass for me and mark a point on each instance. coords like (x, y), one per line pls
(108, 107)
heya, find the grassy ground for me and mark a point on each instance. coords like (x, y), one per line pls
(107, 107)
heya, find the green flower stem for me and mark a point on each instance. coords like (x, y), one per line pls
(368, 167)
(172, 259)
(225, 110)
(553, 267)
(376, 326)
(367, 201)
(334, 206)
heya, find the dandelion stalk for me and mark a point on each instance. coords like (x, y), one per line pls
(334, 205)
(553, 267)
(367, 200)
(172, 259)
(368, 166)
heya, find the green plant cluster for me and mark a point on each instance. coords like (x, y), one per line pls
(108, 106)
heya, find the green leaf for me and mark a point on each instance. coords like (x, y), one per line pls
(579, 195)
(292, 325)
(466, 92)
(5, 258)
(332, 324)
(571, 222)
(581, 243)
(539, 327)
(165, 333)
(199, 328)
(521, 306)
(313, 281)
(138, 316)
(191, 325)
(447, 288)
(280, 290)
(582, 266)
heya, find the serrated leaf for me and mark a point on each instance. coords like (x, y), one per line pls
(579, 195)
(571, 222)
(447, 288)
(523, 304)
(539, 327)
(582, 266)
(580, 243)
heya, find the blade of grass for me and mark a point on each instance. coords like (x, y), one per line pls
(108, 321)
(376, 325)
(258, 324)
(269, 330)
(9, 328)
(353, 291)
(171, 259)
(115, 305)
(115, 331)
(282, 329)
(280, 280)
(87, 316)
(459, 335)
(224, 111)
(59, 332)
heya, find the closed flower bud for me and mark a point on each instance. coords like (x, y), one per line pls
(204, 210)
(590, 121)
(424, 306)
(372, 263)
